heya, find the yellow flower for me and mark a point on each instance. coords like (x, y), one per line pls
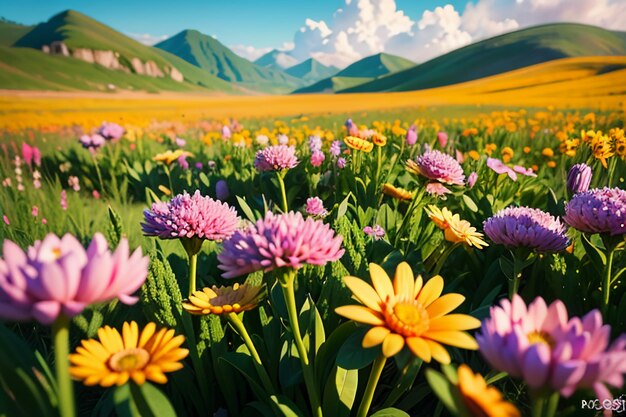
(222, 300)
(455, 229)
(490, 147)
(358, 144)
(412, 167)
(527, 149)
(601, 148)
(507, 154)
(551, 164)
(569, 146)
(409, 312)
(397, 192)
(115, 358)
(480, 399)
(547, 152)
(168, 157)
(378, 139)
(474, 155)
(617, 135)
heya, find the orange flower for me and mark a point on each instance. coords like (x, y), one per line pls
(397, 192)
(358, 144)
(480, 399)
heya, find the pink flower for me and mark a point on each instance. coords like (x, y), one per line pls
(34, 211)
(341, 163)
(6, 219)
(63, 200)
(95, 194)
(27, 153)
(500, 168)
(471, 180)
(541, 346)
(57, 276)
(190, 216)
(411, 135)
(74, 182)
(377, 232)
(440, 167)
(315, 207)
(276, 158)
(524, 171)
(437, 189)
(317, 158)
(226, 133)
(111, 131)
(442, 138)
(36, 156)
(279, 241)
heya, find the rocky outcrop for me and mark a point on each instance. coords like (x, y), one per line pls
(110, 60)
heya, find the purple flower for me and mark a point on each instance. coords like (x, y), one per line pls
(111, 131)
(279, 241)
(199, 165)
(315, 143)
(599, 210)
(411, 135)
(57, 276)
(524, 171)
(579, 178)
(471, 180)
(317, 158)
(351, 128)
(276, 158)
(182, 161)
(180, 142)
(500, 168)
(442, 138)
(440, 167)
(341, 163)
(335, 148)
(526, 227)
(540, 345)
(376, 232)
(92, 141)
(221, 190)
(190, 216)
(315, 207)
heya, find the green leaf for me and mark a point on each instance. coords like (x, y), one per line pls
(150, 401)
(246, 209)
(469, 203)
(151, 196)
(352, 355)
(506, 266)
(325, 358)
(340, 392)
(289, 367)
(343, 207)
(116, 230)
(597, 256)
(124, 404)
(390, 412)
(204, 179)
(442, 387)
(287, 407)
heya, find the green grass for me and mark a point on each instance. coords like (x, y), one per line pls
(212, 56)
(311, 71)
(11, 32)
(501, 54)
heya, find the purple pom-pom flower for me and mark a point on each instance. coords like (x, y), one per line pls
(276, 158)
(600, 210)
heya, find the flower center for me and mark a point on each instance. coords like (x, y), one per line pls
(540, 337)
(129, 360)
(408, 318)
(56, 253)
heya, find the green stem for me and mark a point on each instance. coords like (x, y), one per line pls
(193, 263)
(379, 158)
(405, 220)
(443, 257)
(61, 339)
(287, 284)
(606, 286)
(517, 277)
(258, 364)
(368, 395)
(98, 173)
(283, 192)
(544, 405)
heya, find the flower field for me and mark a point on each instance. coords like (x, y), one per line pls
(356, 260)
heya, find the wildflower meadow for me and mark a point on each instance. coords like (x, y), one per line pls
(380, 264)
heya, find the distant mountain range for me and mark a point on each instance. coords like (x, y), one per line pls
(362, 71)
(72, 51)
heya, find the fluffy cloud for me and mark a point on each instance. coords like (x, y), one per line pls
(249, 52)
(147, 39)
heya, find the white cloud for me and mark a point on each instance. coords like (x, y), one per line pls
(249, 52)
(147, 39)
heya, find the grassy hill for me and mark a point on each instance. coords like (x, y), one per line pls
(211, 55)
(79, 31)
(311, 71)
(276, 59)
(501, 54)
(11, 32)
(362, 71)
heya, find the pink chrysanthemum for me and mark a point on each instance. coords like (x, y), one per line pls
(541, 346)
(276, 158)
(315, 207)
(526, 227)
(600, 210)
(440, 167)
(278, 241)
(190, 216)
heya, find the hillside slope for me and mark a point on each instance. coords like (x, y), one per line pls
(311, 71)
(501, 54)
(11, 32)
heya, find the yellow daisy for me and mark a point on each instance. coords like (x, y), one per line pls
(409, 312)
(455, 229)
(358, 144)
(223, 300)
(481, 400)
(168, 156)
(379, 139)
(397, 192)
(115, 358)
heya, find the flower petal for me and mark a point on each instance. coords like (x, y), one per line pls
(431, 291)
(403, 281)
(444, 304)
(381, 281)
(363, 292)
(419, 347)
(453, 338)
(454, 322)
(392, 344)
(375, 336)
(360, 314)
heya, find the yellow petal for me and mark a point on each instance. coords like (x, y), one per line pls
(444, 304)
(146, 334)
(360, 314)
(403, 281)
(392, 344)
(139, 377)
(431, 291)
(419, 348)
(438, 352)
(417, 287)
(110, 339)
(453, 338)
(375, 336)
(454, 322)
(363, 292)
(381, 281)
(130, 334)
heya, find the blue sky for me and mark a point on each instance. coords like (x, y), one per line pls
(259, 23)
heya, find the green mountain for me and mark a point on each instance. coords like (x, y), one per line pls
(276, 59)
(362, 71)
(211, 55)
(11, 31)
(124, 63)
(311, 71)
(501, 54)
